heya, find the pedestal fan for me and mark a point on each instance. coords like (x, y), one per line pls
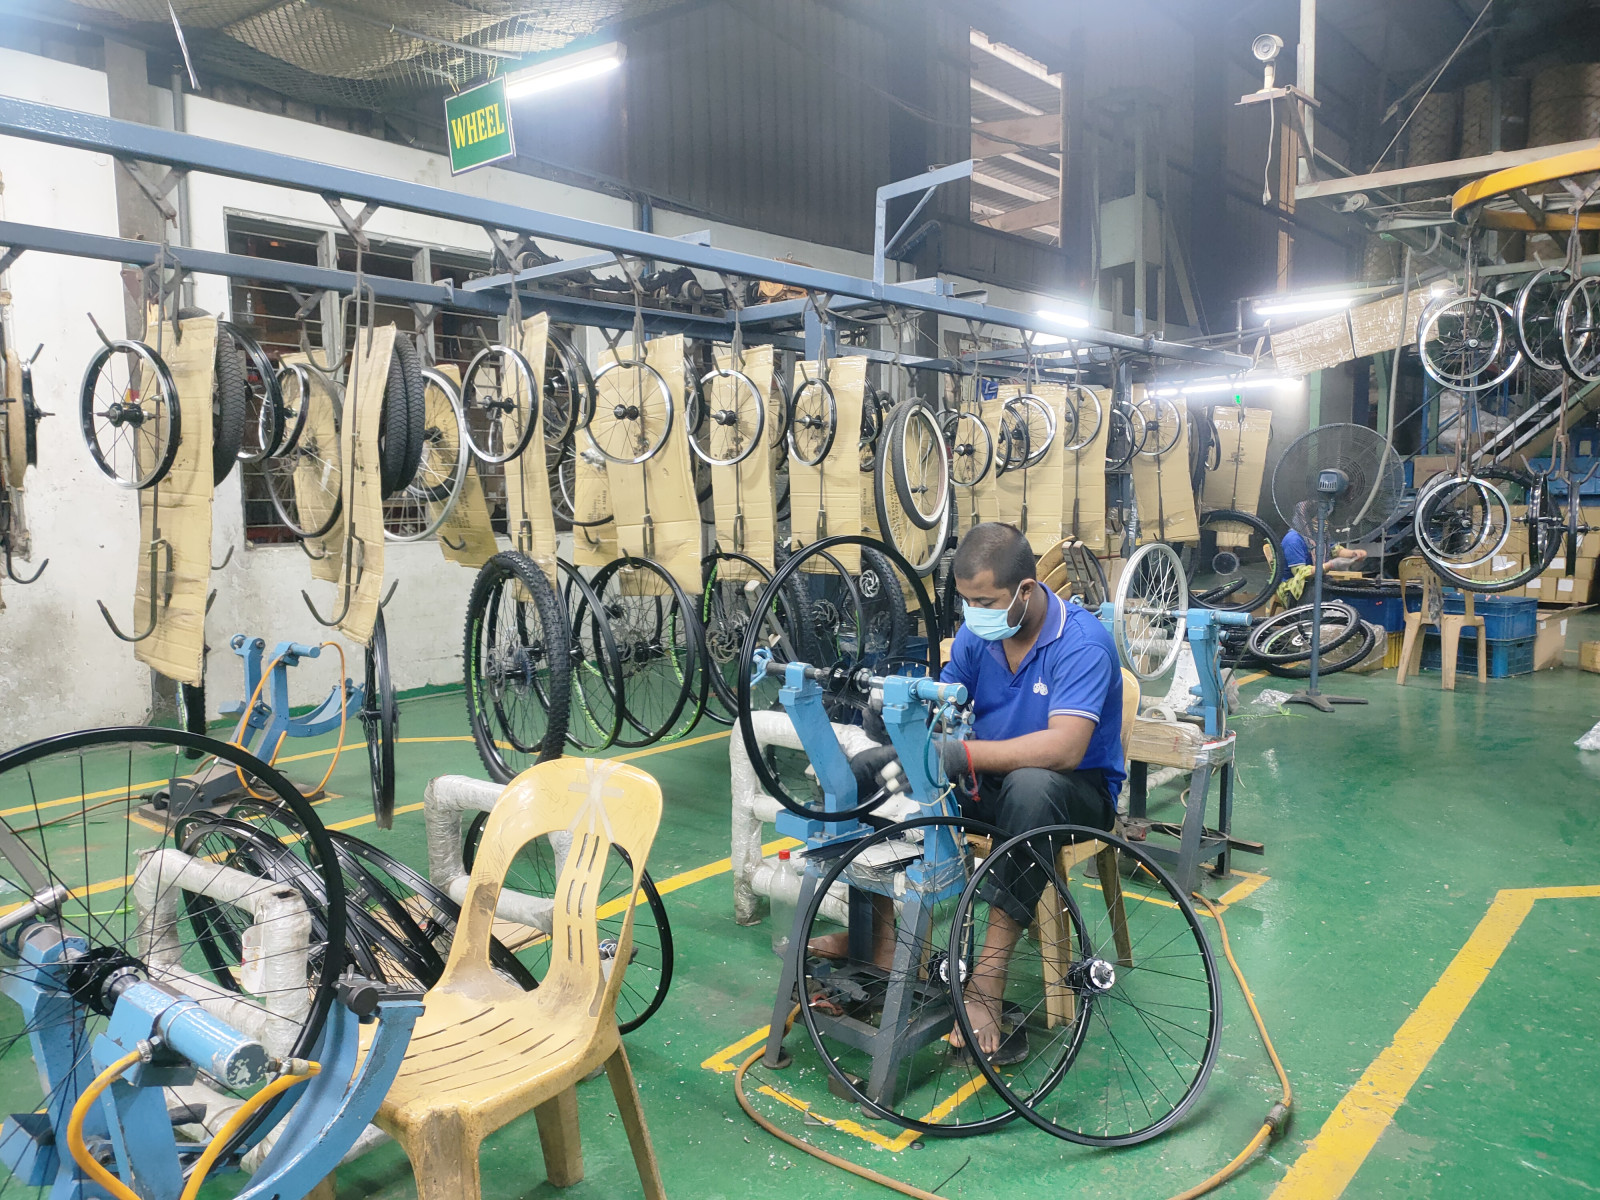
(1354, 478)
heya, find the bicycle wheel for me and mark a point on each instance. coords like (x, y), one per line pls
(417, 512)
(294, 390)
(1577, 323)
(727, 610)
(81, 830)
(263, 418)
(380, 721)
(1459, 341)
(568, 389)
(1541, 530)
(1150, 616)
(734, 416)
(1286, 638)
(813, 421)
(1163, 424)
(970, 446)
(517, 657)
(1110, 1007)
(595, 698)
(897, 998)
(1461, 521)
(1347, 654)
(303, 481)
(886, 626)
(534, 871)
(1237, 563)
(129, 412)
(658, 643)
(1029, 424)
(501, 403)
(230, 403)
(1537, 306)
(633, 414)
(1124, 439)
(1087, 416)
(919, 464)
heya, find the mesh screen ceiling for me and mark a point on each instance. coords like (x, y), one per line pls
(361, 53)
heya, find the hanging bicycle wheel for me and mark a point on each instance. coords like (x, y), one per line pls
(518, 666)
(568, 389)
(303, 480)
(83, 831)
(533, 872)
(294, 392)
(1578, 326)
(230, 401)
(1537, 305)
(921, 547)
(1163, 424)
(813, 421)
(633, 413)
(1237, 563)
(128, 409)
(1460, 341)
(1461, 521)
(734, 417)
(1286, 638)
(418, 511)
(658, 642)
(919, 464)
(595, 703)
(970, 446)
(882, 1022)
(263, 417)
(399, 425)
(501, 403)
(1109, 1010)
(1150, 616)
(875, 407)
(733, 582)
(380, 718)
(1087, 416)
(1027, 431)
(1538, 519)
(1124, 439)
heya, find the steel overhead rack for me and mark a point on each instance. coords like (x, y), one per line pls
(135, 143)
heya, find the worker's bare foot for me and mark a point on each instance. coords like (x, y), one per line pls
(985, 1017)
(836, 946)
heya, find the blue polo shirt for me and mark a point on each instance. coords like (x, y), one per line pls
(1296, 550)
(1072, 668)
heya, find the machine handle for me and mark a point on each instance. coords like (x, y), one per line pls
(934, 692)
(1231, 618)
(313, 651)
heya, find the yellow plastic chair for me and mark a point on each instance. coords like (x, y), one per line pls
(484, 1051)
(1415, 572)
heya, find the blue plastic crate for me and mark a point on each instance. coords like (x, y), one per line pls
(1386, 612)
(1507, 656)
(1504, 617)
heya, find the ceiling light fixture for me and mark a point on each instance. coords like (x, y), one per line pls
(1201, 386)
(1065, 319)
(564, 69)
(1301, 304)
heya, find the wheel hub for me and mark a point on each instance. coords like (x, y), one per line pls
(1225, 563)
(1094, 976)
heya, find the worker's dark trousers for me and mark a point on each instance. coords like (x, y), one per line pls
(1031, 798)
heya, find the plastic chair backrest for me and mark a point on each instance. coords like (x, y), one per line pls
(1415, 571)
(1130, 709)
(600, 804)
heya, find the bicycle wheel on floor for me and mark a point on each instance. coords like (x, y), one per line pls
(533, 873)
(517, 658)
(1108, 1005)
(1286, 638)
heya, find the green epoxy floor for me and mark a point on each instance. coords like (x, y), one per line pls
(1389, 828)
(1389, 831)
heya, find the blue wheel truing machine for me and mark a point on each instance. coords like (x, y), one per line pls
(58, 982)
(909, 706)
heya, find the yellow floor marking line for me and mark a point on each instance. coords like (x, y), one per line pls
(1250, 882)
(894, 1145)
(1334, 1156)
(722, 1061)
(1251, 678)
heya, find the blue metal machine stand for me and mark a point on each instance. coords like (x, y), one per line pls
(1196, 843)
(131, 1128)
(909, 703)
(269, 722)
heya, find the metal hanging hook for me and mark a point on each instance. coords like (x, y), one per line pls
(226, 559)
(11, 571)
(158, 546)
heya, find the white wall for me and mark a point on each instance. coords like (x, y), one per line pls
(60, 668)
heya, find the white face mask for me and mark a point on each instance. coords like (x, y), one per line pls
(993, 624)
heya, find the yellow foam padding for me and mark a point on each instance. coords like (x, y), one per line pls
(1083, 482)
(316, 492)
(744, 508)
(13, 437)
(825, 499)
(1242, 436)
(178, 510)
(530, 519)
(1161, 489)
(466, 536)
(363, 483)
(662, 488)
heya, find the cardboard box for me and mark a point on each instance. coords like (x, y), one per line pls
(1242, 435)
(1500, 566)
(1589, 656)
(1557, 587)
(1582, 568)
(1550, 644)
(1425, 466)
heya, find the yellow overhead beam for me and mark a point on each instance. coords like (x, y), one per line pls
(1470, 204)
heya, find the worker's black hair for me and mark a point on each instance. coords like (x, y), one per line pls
(997, 547)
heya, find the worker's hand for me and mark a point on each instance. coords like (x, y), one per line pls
(868, 766)
(953, 757)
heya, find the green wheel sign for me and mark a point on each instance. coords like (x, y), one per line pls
(479, 125)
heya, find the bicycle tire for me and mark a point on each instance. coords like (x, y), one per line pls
(380, 721)
(1251, 600)
(655, 633)
(154, 463)
(1263, 638)
(230, 399)
(1345, 655)
(906, 488)
(1543, 539)
(595, 704)
(263, 398)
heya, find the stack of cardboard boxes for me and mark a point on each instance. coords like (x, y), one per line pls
(1554, 585)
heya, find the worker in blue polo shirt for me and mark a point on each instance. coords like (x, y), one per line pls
(1046, 745)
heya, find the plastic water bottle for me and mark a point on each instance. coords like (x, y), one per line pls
(785, 895)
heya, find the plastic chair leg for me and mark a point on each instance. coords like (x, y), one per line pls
(558, 1138)
(626, 1094)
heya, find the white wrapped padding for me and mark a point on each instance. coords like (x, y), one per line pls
(277, 1000)
(752, 807)
(444, 801)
